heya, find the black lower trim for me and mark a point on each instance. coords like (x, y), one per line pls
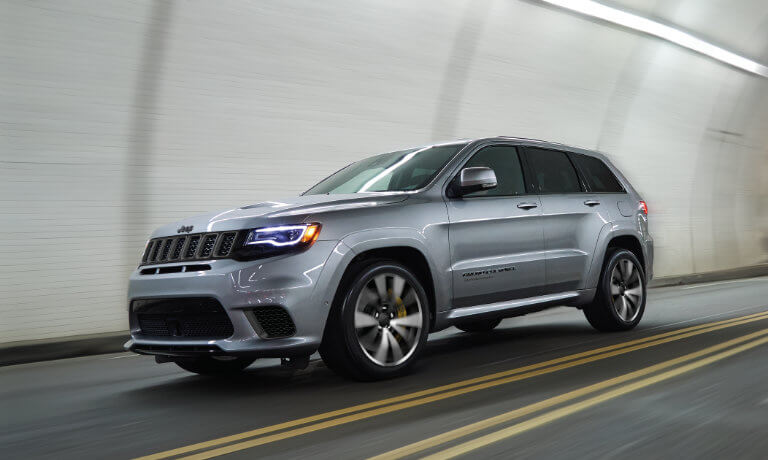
(177, 350)
(180, 318)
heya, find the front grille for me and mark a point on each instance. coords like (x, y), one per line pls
(274, 321)
(194, 242)
(182, 318)
(208, 242)
(166, 249)
(190, 247)
(177, 247)
(227, 241)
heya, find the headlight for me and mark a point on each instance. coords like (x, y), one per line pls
(270, 241)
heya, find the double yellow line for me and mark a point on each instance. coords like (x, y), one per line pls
(269, 434)
(540, 420)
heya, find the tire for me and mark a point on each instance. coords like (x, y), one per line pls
(479, 325)
(215, 367)
(619, 303)
(372, 333)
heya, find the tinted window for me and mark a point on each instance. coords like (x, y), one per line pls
(599, 178)
(396, 171)
(506, 164)
(554, 171)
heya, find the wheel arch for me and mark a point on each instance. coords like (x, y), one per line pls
(611, 237)
(405, 251)
(629, 242)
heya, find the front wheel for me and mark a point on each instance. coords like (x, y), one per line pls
(380, 325)
(208, 365)
(619, 303)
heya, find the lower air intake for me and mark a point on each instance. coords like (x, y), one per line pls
(198, 318)
(274, 322)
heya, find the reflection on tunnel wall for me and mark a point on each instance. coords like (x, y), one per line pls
(120, 118)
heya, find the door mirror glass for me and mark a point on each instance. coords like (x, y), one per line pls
(475, 179)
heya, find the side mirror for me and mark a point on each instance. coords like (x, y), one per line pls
(473, 180)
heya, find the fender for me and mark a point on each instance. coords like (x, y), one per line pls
(357, 243)
(432, 244)
(610, 231)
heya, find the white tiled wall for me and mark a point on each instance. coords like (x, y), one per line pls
(117, 116)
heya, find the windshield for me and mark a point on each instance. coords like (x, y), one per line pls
(389, 172)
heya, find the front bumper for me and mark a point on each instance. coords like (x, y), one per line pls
(299, 283)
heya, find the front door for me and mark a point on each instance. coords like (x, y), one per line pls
(496, 236)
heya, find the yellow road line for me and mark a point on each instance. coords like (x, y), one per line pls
(469, 384)
(576, 407)
(443, 438)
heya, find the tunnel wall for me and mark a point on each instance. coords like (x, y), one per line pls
(118, 117)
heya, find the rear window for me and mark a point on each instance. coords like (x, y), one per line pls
(598, 176)
(554, 171)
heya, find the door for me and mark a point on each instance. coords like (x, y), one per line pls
(572, 218)
(496, 236)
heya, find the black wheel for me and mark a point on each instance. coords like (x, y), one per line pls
(208, 365)
(379, 324)
(479, 325)
(620, 299)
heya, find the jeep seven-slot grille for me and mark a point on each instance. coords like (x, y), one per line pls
(189, 247)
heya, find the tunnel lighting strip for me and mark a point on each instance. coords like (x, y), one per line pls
(663, 31)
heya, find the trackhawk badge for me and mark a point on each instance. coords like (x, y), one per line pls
(185, 229)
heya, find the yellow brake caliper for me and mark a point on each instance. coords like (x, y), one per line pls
(400, 306)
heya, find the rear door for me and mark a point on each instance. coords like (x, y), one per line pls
(603, 184)
(496, 236)
(572, 218)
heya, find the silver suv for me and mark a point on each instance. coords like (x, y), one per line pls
(366, 263)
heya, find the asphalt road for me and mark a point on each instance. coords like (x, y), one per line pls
(690, 382)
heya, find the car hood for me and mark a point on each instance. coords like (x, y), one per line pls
(279, 212)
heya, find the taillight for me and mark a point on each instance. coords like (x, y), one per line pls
(644, 207)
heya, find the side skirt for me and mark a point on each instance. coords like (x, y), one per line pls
(512, 308)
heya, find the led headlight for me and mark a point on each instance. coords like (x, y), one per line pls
(287, 235)
(270, 241)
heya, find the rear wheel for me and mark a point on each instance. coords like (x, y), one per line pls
(208, 365)
(619, 303)
(380, 325)
(479, 325)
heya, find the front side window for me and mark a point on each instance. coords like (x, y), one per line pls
(598, 176)
(389, 172)
(554, 171)
(505, 163)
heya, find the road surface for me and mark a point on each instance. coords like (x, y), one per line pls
(690, 382)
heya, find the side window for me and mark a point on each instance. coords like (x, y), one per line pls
(505, 162)
(554, 171)
(598, 176)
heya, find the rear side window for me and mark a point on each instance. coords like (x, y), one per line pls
(554, 171)
(598, 176)
(505, 163)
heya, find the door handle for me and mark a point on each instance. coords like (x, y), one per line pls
(527, 206)
(591, 203)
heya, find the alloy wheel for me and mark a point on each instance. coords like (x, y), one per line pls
(388, 319)
(626, 290)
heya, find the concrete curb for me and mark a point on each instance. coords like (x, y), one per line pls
(112, 342)
(753, 271)
(31, 351)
